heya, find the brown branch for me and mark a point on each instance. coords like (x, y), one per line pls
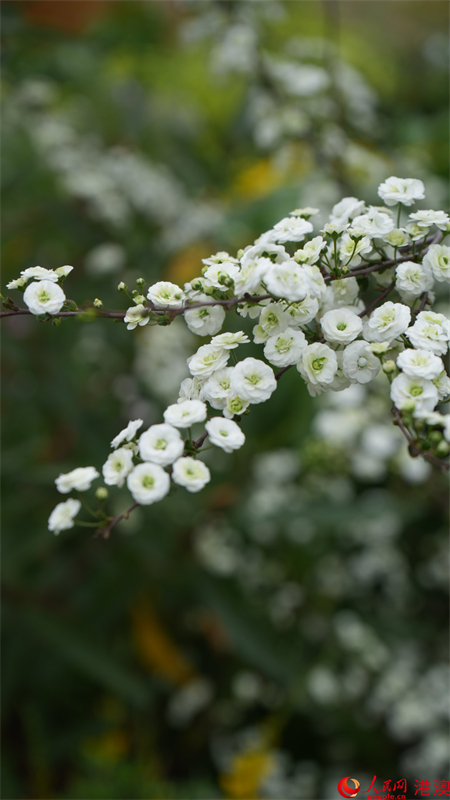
(437, 462)
(368, 310)
(198, 443)
(423, 302)
(105, 532)
(392, 262)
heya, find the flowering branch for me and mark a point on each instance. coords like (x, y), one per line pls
(309, 315)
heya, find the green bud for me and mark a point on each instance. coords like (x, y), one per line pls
(98, 303)
(435, 437)
(102, 493)
(389, 367)
(419, 425)
(443, 449)
(122, 287)
(56, 321)
(140, 281)
(134, 292)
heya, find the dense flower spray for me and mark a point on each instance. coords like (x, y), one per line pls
(308, 313)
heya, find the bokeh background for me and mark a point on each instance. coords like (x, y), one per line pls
(289, 625)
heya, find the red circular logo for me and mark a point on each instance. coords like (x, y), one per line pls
(346, 789)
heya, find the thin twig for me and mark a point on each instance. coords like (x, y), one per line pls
(437, 462)
(368, 310)
(105, 532)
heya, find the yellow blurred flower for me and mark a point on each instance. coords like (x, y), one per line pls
(247, 773)
(155, 648)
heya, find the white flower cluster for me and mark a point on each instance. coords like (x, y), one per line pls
(307, 312)
(44, 295)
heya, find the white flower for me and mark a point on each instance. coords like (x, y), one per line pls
(44, 297)
(79, 479)
(374, 223)
(340, 381)
(288, 280)
(359, 364)
(217, 388)
(273, 319)
(191, 473)
(401, 190)
(221, 257)
(262, 247)
(442, 384)
(249, 277)
(207, 360)
(421, 392)
(185, 414)
(317, 285)
(412, 278)
(18, 283)
(420, 364)
(166, 294)
(430, 331)
(438, 261)
(190, 389)
(311, 251)
(62, 516)
(205, 321)
(299, 314)
(426, 218)
(253, 380)
(128, 433)
(415, 232)
(40, 274)
(229, 341)
(318, 364)
(161, 444)
(63, 272)
(225, 433)
(221, 275)
(387, 322)
(341, 325)
(344, 291)
(447, 427)
(136, 315)
(286, 348)
(350, 252)
(431, 417)
(259, 335)
(338, 227)
(235, 405)
(291, 229)
(117, 466)
(396, 237)
(148, 483)
(304, 212)
(346, 209)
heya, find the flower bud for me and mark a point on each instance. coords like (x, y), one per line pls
(140, 281)
(98, 303)
(102, 493)
(435, 437)
(443, 449)
(122, 287)
(389, 367)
